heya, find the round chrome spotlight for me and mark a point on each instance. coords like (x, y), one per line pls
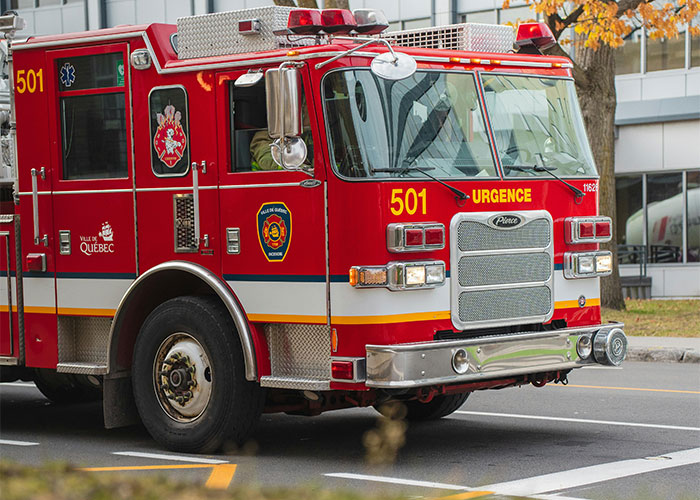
(610, 347)
(584, 346)
(460, 361)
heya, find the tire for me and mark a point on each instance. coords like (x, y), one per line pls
(439, 407)
(188, 377)
(65, 388)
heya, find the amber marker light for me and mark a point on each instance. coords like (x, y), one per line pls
(292, 53)
(352, 276)
(455, 60)
(475, 61)
(334, 340)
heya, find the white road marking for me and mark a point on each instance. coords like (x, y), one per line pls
(594, 474)
(17, 443)
(397, 480)
(579, 420)
(177, 458)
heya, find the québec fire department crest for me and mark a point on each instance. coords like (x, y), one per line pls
(274, 230)
(170, 140)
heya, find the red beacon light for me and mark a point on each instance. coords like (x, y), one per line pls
(305, 22)
(339, 21)
(533, 38)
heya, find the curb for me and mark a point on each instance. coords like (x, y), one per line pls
(663, 354)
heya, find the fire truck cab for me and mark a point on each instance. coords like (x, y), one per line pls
(282, 209)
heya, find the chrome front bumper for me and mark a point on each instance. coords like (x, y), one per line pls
(430, 363)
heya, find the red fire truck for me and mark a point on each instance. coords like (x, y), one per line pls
(281, 209)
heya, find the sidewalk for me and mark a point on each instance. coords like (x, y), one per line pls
(681, 349)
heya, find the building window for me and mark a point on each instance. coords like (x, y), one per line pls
(416, 23)
(483, 17)
(665, 217)
(516, 15)
(93, 125)
(628, 57)
(666, 53)
(695, 46)
(693, 207)
(22, 4)
(630, 217)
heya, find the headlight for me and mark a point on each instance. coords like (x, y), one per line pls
(603, 263)
(399, 275)
(585, 264)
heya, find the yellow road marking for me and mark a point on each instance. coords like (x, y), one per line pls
(624, 388)
(146, 467)
(221, 476)
(468, 494)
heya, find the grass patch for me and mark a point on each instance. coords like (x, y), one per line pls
(62, 482)
(658, 318)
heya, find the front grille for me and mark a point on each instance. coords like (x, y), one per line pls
(501, 276)
(474, 236)
(503, 268)
(491, 305)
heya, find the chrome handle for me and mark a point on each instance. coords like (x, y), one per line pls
(35, 206)
(195, 201)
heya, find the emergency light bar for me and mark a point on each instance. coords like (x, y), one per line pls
(535, 36)
(336, 21)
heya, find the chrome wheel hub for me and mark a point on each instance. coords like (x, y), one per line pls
(182, 377)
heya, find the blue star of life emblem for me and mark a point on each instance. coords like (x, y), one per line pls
(67, 74)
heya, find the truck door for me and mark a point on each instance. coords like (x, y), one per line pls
(93, 201)
(273, 225)
(176, 177)
(9, 327)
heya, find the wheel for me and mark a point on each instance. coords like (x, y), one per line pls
(188, 377)
(438, 407)
(66, 387)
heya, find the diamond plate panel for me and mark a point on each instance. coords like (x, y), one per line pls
(217, 34)
(470, 37)
(299, 351)
(485, 305)
(83, 340)
(479, 270)
(476, 235)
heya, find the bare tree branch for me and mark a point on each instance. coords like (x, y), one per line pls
(580, 74)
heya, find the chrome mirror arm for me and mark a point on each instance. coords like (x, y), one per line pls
(368, 41)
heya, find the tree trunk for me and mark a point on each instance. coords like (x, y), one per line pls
(598, 101)
(308, 4)
(336, 4)
(285, 3)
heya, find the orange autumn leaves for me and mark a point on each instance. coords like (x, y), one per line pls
(599, 22)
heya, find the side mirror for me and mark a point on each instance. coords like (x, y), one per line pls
(283, 102)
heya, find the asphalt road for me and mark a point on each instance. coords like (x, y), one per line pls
(611, 433)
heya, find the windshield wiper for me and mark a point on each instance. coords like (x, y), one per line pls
(460, 196)
(537, 168)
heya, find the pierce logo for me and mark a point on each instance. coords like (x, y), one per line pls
(506, 221)
(170, 140)
(102, 243)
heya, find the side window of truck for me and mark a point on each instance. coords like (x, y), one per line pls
(250, 142)
(93, 124)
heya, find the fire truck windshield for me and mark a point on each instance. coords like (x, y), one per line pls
(431, 121)
(537, 119)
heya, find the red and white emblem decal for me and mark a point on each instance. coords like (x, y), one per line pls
(169, 140)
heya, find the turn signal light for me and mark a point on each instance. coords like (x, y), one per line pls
(588, 229)
(305, 21)
(587, 265)
(342, 370)
(399, 275)
(338, 21)
(537, 34)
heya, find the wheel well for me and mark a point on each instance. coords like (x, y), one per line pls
(152, 289)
